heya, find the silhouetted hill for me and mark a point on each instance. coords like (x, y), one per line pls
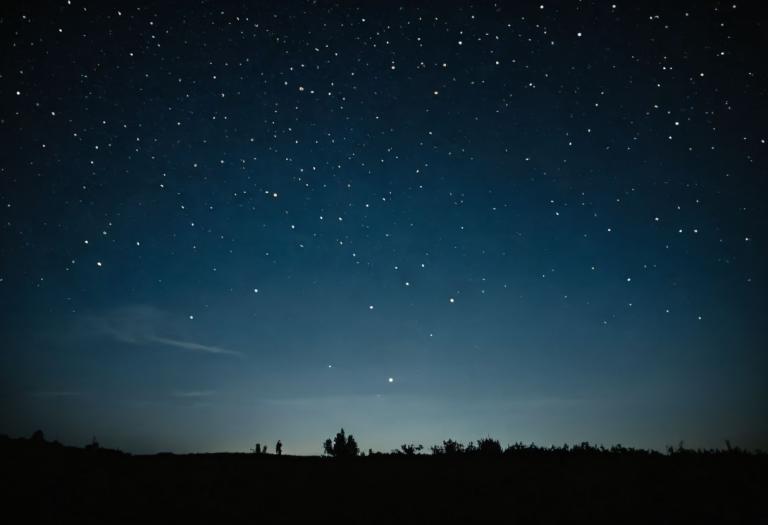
(50, 483)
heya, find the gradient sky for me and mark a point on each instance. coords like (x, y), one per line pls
(225, 223)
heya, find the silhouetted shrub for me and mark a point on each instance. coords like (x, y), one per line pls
(515, 447)
(408, 449)
(449, 448)
(489, 446)
(341, 446)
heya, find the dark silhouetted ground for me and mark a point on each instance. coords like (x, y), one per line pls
(50, 483)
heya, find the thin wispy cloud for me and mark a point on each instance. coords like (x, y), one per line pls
(189, 345)
(194, 393)
(144, 325)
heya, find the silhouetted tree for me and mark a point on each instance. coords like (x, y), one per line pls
(489, 446)
(408, 449)
(341, 446)
(38, 436)
(279, 448)
(257, 449)
(449, 448)
(453, 447)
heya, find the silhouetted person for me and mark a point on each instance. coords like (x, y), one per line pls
(264, 450)
(258, 448)
(279, 448)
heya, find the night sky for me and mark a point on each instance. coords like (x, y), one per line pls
(226, 223)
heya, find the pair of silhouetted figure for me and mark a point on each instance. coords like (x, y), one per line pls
(278, 448)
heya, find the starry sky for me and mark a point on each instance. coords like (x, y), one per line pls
(224, 223)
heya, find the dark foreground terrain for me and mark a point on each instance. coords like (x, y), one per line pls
(50, 483)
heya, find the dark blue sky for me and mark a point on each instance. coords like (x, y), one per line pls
(226, 223)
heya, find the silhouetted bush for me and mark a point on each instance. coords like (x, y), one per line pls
(341, 446)
(489, 446)
(449, 448)
(408, 449)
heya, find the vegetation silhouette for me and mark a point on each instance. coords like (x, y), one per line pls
(342, 446)
(408, 449)
(93, 445)
(489, 446)
(480, 481)
(449, 448)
